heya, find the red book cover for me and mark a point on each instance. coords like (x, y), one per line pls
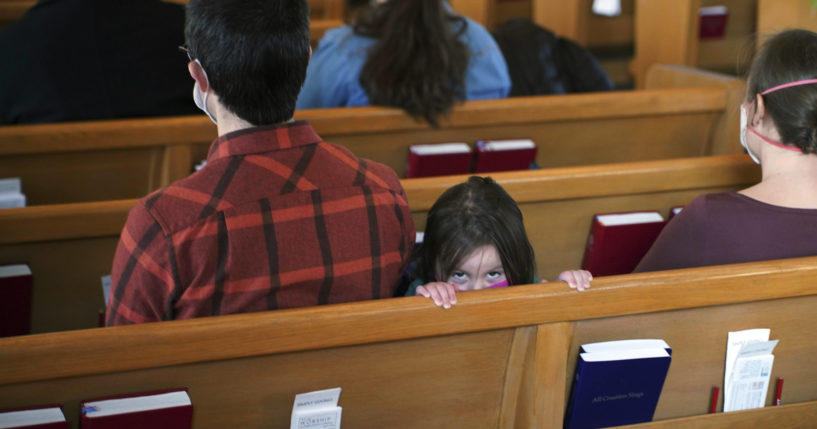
(618, 241)
(504, 155)
(426, 160)
(713, 22)
(15, 300)
(164, 409)
(40, 417)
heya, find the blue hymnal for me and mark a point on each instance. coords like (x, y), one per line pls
(617, 383)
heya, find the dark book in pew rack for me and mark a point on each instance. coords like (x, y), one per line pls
(504, 155)
(438, 160)
(617, 383)
(15, 300)
(617, 241)
(162, 409)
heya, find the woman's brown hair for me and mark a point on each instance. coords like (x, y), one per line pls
(418, 63)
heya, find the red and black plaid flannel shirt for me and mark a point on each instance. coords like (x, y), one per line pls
(276, 219)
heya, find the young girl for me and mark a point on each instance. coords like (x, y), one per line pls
(475, 239)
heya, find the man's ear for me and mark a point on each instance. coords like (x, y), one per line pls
(197, 73)
(310, 54)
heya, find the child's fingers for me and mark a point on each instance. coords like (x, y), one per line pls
(448, 295)
(577, 279)
(443, 294)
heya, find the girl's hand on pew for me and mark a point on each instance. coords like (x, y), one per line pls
(443, 294)
(576, 279)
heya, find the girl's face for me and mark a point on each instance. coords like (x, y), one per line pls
(479, 270)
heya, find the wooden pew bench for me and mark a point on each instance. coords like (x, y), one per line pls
(119, 159)
(70, 246)
(499, 358)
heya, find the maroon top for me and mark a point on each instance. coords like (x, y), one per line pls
(276, 219)
(728, 228)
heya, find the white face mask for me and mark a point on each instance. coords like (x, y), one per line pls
(202, 104)
(744, 122)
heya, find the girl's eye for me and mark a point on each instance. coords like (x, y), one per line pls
(459, 275)
(494, 274)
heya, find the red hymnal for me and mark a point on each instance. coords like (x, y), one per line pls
(165, 409)
(618, 241)
(442, 159)
(713, 21)
(40, 417)
(504, 155)
(15, 300)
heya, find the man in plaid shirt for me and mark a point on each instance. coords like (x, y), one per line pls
(277, 218)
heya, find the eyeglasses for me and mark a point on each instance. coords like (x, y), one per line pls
(186, 51)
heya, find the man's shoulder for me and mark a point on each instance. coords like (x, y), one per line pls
(375, 173)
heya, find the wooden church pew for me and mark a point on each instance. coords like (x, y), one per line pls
(104, 160)
(69, 247)
(499, 358)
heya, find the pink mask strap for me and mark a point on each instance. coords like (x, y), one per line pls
(774, 143)
(790, 84)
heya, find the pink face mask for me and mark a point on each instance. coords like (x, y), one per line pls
(762, 137)
(500, 284)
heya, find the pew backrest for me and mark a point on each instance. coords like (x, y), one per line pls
(119, 159)
(499, 358)
(70, 246)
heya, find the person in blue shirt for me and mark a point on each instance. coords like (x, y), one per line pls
(413, 54)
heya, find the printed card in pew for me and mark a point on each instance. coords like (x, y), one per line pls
(443, 159)
(11, 193)
(165, 409)
(40, 417)
(504, 155)
(317, 410)
(618, 241)
(15, 300)
(749, 362)
(617, 383)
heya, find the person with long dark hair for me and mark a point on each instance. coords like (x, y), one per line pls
(413, 54)
(475, 239)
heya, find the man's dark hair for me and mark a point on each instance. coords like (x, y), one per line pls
(786, 57)
(255, 53)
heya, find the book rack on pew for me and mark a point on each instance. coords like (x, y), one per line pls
(687, 113)
(499, 358)
(69, 246)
